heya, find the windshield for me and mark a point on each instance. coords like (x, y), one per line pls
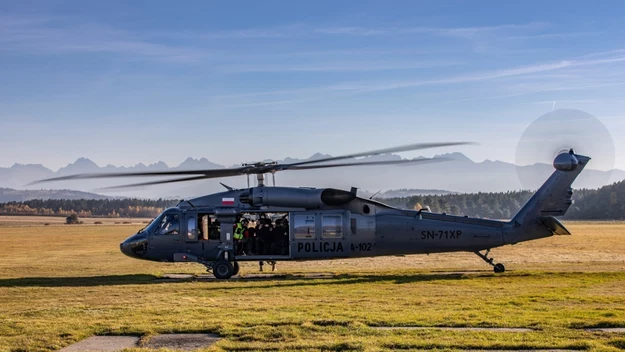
(149, 228)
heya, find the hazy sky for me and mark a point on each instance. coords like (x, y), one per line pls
(123, 82)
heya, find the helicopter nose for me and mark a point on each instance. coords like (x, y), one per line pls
(134, 246)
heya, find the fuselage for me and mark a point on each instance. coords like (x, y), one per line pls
(325, 225)
(313, 224)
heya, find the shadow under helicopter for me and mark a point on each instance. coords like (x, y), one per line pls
(277, 281)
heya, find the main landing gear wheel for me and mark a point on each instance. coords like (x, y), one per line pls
(498, 268)
(235, 266)
(223, 269)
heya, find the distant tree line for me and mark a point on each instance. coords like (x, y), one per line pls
(606, 203)
(112, 208)
(485, 205)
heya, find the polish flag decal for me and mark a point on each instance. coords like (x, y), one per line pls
(227, 201)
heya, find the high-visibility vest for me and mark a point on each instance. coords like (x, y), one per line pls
(238, 232)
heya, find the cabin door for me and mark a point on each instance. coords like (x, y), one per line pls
(226, 218)
(191, 234)
(320, 234)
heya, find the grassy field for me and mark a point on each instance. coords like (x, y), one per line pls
(15, 220)
(60, 284)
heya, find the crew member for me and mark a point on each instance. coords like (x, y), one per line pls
(245, 241)
(172, 226)
(258, 241)
(238, 237)
(250, 233)
(285, 236)
(214, 230)
(281, 237)
(266, 236)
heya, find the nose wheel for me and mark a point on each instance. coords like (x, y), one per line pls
(223, 269)
(497, 268)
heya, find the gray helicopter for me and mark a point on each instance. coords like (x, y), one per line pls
(327, 223)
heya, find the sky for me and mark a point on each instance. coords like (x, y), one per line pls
(123, 82)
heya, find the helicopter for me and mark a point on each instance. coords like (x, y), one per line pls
(328, 223)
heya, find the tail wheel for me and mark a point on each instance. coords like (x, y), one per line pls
(223, 269)
(499, 268)
(235, 266)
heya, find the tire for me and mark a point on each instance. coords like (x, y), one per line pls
(499, 268)
(223, 269)
(236, 268)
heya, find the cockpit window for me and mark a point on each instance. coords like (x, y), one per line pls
(169, 225)
(149, 228)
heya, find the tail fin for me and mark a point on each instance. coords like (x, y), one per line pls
(552, 199)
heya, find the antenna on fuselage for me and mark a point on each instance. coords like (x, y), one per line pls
(226, 186)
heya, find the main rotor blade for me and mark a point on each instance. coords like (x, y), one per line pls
(261, 168)
(211, 173)
(370, 163)
(402, 148)
(151, 183)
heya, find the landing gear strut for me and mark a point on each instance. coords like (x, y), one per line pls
(235, 266)
(498, 268)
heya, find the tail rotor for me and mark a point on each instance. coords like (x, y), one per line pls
(553, 136)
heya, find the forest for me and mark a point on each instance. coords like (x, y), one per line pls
(605, 203)
(111, 208)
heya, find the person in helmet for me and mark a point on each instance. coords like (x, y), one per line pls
(245, 241)
(238, 236)
(171, 225)
(266, 236)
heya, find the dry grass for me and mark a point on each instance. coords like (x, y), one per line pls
(60, 284)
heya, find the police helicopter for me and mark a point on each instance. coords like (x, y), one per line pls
(328, 223)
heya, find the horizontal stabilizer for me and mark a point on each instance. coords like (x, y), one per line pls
(554, 225)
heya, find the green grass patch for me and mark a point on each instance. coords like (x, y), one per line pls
(67, 284)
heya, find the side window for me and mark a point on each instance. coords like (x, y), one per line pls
(192, 229)
(170, 225)
(332, 226)
(304, 226)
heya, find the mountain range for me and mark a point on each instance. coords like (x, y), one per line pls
(457, 174)
(20, 195)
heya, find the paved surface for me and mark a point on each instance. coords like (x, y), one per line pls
(451, 328)
(177, 276)
(554, 350)
(103, 344)
(246, 277)
(185, 342)
(617, 330)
